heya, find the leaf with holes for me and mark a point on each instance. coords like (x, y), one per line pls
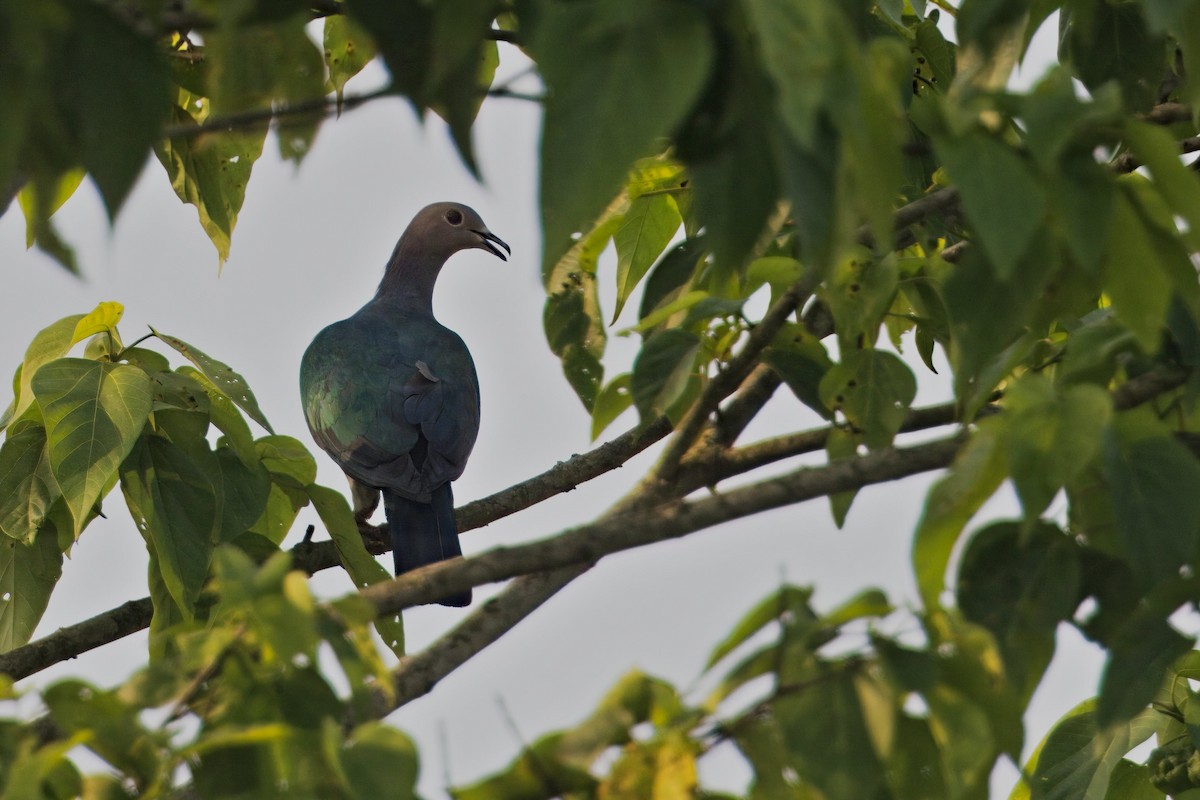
(230, 383)
(874, 390)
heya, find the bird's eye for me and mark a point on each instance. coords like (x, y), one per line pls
(454, 216)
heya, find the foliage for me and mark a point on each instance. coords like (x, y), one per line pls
(860, 168)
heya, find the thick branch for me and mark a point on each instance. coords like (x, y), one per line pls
(589, 543)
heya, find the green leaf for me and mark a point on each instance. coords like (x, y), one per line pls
(363, 569)
(874, 390)
(968, 660)
(802, 364)
(1050, 435)
(27, 488)
(965, 741)
(102, 319)
(51, 342)
(210, 173)
(288, 461)
(1106, 42)
(174, 505)
(1083, 197)
(27, 198)
(1159, 152)
(842, 445)
(403, 32)
(1139, 661)
(735, 177)
(612, 401)
(641, 63)
(255, 65)
(463, 66)
(1020, 586)
(1002, 196)
(645, 230)
(985, 337)
(859, 291)
(670, 277)
(1134, 276)
(915, 769)
(223, 413)
(230, 383)
(977, 472)
(348, 48)
(116, 82)
(661, 370)
(380, 761)
(1150, 479)
(94, 415)
(827, 737)
(983, 22)
(800, 44)
(789, 600)
(572, 318)
(1077, 757)
(112, 725)
(28, 574)
(242, 492)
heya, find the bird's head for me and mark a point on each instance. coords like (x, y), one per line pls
(458, 227)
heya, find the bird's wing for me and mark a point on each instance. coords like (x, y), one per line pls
(397, 407)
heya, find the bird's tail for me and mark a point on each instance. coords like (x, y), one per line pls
(424, 533)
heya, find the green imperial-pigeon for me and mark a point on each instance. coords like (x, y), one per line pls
(392, 395)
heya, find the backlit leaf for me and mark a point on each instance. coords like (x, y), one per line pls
(348, 48)
(645, 231)
(210, 173)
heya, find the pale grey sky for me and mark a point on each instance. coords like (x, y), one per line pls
(309, 249)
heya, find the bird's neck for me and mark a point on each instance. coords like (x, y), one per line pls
(410, 276)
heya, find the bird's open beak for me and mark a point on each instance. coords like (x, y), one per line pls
(489, 240)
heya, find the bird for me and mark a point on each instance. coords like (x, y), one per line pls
(393, 397)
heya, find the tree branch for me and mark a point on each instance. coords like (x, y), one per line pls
(417, 675)
(74, 640)
(587, 544)
(484, 627)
